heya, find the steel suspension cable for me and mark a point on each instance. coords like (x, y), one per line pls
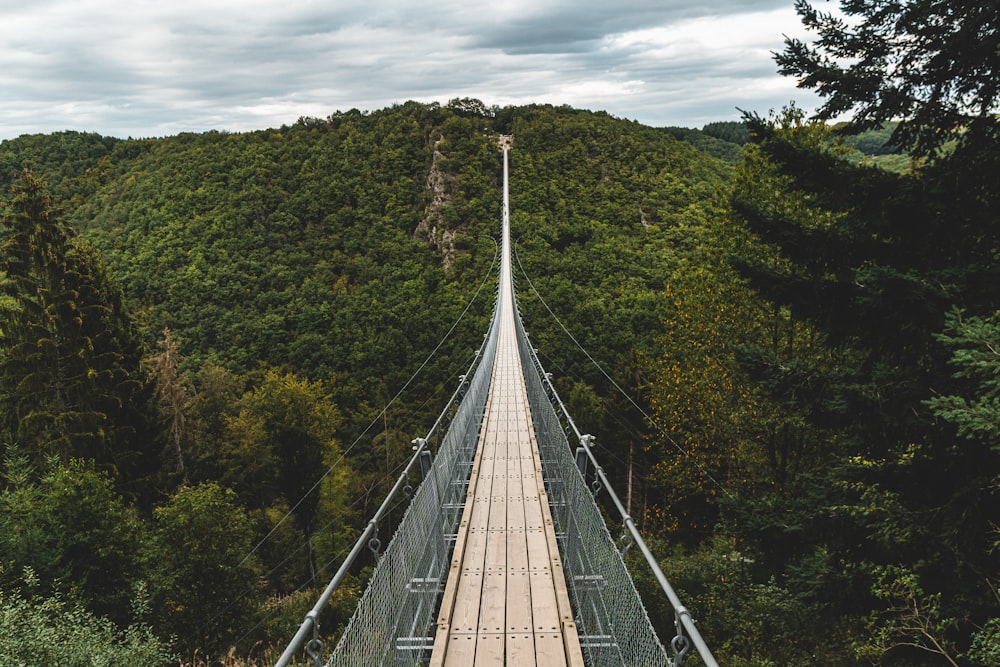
(378, 417)
(610, 379)
(309, 624)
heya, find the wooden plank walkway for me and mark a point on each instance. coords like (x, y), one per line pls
(505, 601)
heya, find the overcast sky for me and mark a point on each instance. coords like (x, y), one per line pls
(147, 68)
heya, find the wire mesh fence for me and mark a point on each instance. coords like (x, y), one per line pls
(612, 621)
(395, 616)
(394, 621)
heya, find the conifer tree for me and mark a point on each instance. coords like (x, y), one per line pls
(932, 65)
(71, 379)
(875, 261)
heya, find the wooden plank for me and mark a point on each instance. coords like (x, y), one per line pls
(439, 652)
(544, 609)
(571, 644)
(519, 619)
(493, 613)
(461, 649)
(518, 601)
(508, 592)
(493, 606)
(465, 616)
(520, 649)
(549, 649)
(490, 649)
(493, 609)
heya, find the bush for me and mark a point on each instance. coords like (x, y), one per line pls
(37, 630)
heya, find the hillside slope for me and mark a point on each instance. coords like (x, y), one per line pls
(345, 247)
(288, 282)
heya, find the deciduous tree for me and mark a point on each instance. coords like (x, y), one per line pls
(74, 531)
(198, 563)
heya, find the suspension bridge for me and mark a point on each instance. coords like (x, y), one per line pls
(502, 557)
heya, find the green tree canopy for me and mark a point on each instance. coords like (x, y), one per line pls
(874, 261)
(73, 531)
(58, 630)
(71, 378)
(933, 65)
(196, 562)
(974, 343)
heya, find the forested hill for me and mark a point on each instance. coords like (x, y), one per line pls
(346, 247)
(281, 286)
(192, 350)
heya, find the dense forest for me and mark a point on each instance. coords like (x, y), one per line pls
(213, 347)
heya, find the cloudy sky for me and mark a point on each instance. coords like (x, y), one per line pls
(147, 68)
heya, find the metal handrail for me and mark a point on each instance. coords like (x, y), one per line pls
(683, 617)
(309, 623)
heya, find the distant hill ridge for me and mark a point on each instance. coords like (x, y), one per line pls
(344, 247)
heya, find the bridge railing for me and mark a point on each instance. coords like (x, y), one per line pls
(394, 618)
(613, 624)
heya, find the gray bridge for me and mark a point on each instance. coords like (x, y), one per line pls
(502, 556)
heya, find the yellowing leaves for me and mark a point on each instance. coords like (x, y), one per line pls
(717, 428)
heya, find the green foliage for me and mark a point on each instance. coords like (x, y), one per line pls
(314, 248)
(912, 619)
(71, 381)
(985, 648)
(73, 164)
(931, 65)
(873, 262)
(277, 442)
(877, 141)
(974, 343)
(715, 144)
(55, 630)
(279, 446)
(195, 560)
(842, 275)
(211, 403)
(702, 405)
(747, 617)
(74, 531)
(728, 398)
(732, 131)
(729, 393)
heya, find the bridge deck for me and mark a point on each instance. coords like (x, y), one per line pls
(505, 601)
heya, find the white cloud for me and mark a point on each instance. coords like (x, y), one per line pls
(148, 67)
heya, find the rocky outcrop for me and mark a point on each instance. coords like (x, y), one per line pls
(432, 228)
